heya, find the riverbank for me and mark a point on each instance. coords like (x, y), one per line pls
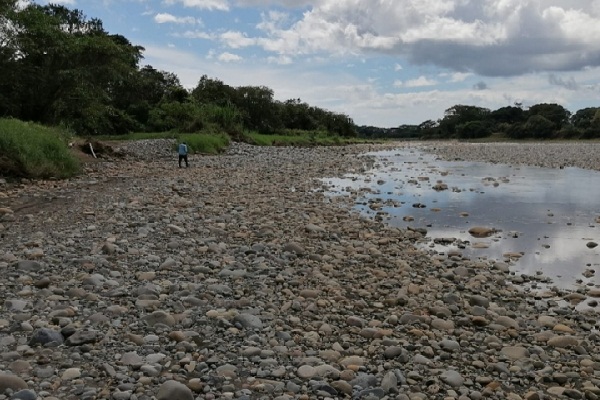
(237, 278)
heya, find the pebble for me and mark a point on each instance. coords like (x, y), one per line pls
(239, 278)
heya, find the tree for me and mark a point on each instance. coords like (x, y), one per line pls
(257, 107)
(69, 70)
(461, 114)
(555, 113)
(539, 127)
(473, 130)
(508, 115)
(583, 118)
(8, 57)
(213, 91)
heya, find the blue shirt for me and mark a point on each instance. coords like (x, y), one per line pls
(183, 149)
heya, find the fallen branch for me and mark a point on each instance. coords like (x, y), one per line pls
(92, 149)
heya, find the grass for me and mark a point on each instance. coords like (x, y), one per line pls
(138, 136)
(29, 150)
(204, 143)
(302, 139)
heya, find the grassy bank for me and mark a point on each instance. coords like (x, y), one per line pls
(29, 150)
(205, 143)
(301, 139)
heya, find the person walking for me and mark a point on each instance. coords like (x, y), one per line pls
(183, 154)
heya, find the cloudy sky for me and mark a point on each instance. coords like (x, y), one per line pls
(382, 62)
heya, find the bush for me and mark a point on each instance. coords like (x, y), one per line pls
(33, 151)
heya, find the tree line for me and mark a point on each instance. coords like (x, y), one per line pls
(60, 68)
(540, 121)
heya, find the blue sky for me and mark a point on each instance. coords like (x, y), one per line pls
(382, 62)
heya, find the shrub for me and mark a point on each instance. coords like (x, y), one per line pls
(33, 151)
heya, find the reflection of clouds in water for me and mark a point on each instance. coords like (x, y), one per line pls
(534, 201)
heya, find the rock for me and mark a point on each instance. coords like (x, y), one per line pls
(173, 390)
(159, 317)
(452, 378)
(248, 321)
(481, 231)
(294, 248)
(25, 394)
(44, 336)
(83, 337)
(515, 352)
(563, 341)
(11, 382)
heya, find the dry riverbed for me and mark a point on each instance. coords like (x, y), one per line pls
(239, 279)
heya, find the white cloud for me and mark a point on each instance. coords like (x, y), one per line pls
(229, 57)
(221, 5)
(164, 18)
(60, 2)
(420, 82)
(196, 35)
(458, 76)
(280, 60)
(491, 38)
(398, 67)
(236, 40)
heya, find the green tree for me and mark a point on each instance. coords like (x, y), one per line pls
(539, 127)
(583, 118)
(8, 58)
(258, 109)
(461, 114)
(213, 91)
(555, 113)
(67, 69)
(507, 115)
(473, 130)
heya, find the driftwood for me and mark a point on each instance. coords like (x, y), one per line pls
(92, 150)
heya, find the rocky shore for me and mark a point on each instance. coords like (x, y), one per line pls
(238, 278)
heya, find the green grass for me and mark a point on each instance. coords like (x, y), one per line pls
(137, 136)
(302, 139)
(204, 143)
(30, 150)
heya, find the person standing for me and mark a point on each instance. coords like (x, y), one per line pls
(183, 154)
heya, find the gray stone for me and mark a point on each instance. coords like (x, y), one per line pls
(44, 336)
(173, 390)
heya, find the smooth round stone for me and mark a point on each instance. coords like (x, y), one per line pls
(563, 341)
(306, 372)
(159, 317)
(25, 394)
(45, 336)
(12, 382)
(248, 321)
(477, 300)
(450, 345)
(70, 374)
(452, 378)
(173, 390)
(515, 352)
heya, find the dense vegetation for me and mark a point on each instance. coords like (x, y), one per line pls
(541, 121)
(60, 68)
(32, 150)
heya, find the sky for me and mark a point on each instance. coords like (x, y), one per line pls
(383, 63)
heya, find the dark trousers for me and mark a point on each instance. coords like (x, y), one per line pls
(183, 157)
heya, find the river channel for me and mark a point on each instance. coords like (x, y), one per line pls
(546, 221)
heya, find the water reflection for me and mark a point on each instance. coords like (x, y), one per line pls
(545, 217)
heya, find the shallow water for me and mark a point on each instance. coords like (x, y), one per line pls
(544, 217)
